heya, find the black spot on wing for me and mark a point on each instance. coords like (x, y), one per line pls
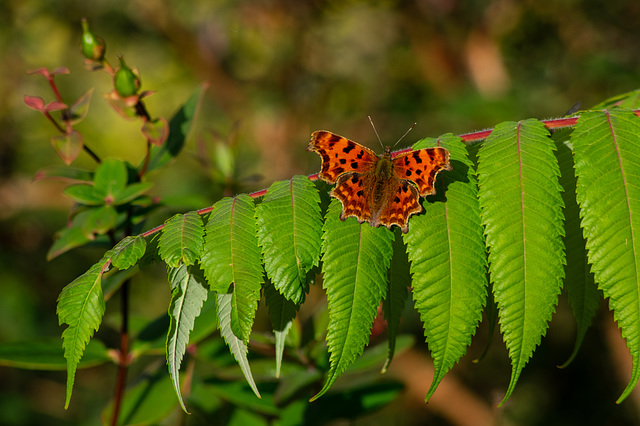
(350, 147)
(333, 139)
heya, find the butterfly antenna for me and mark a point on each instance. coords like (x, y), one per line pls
(405, 134)
(375, 131)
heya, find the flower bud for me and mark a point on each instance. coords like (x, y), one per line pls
(93, 47)
(126, 82)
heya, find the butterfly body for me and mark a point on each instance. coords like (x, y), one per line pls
(379, 190)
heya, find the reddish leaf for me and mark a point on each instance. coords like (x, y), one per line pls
(68, 146)
(123, 106)
(49, 74)
(42, 71)
(61, 70)
(156, 131)
(54, 106)
(34, 102)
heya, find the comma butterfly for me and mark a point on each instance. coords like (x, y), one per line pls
(379, 190)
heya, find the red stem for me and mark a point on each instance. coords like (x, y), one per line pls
(55, 88)
(468, 138)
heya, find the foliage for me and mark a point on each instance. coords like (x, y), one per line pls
(521, 208)
(280, 243)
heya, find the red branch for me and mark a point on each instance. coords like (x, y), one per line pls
(468, 138)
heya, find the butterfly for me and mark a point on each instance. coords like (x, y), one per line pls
(379, 190)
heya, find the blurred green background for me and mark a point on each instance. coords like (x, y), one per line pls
(278, 70)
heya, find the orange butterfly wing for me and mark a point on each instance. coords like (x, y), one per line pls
(340, 155)
(421, 167)
(378, 190)
(403, 201)
(349, 164)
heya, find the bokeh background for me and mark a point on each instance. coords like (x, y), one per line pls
(278, 70)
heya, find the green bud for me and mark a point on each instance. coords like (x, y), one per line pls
(126, 81)
(93, 47)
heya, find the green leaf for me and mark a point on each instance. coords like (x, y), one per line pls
(231, 259)
(189, 292)
(64, 174)
(80, 107)
(355, 260)
(68, 238)
(85, 194)
(156, 131)
(289, 228)
(99, 220)
(629, 100)
(128, 251)
(68, 146)
(131, 192)
(148, 401)
(606, 151)
(236, 345)
(110, 179)
(81, 306)
(448, 261)
(579, 283)
(522, 213)
(179, 127)
(182, 239)
(46, 354)
(397, 293)
(282, 313)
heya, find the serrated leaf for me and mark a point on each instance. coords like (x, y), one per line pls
(231, 259)
(355, 261)
(282, 313)
(236, 345)
(128, 251)
(448, 260)
(189, 292)
(80, 306)
(579, 283)
(110, 178)
(289, 229)
(397, 293)
(522, 213)
(607, 163)
(182, 239)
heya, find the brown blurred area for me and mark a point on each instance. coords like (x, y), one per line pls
(277, 71)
